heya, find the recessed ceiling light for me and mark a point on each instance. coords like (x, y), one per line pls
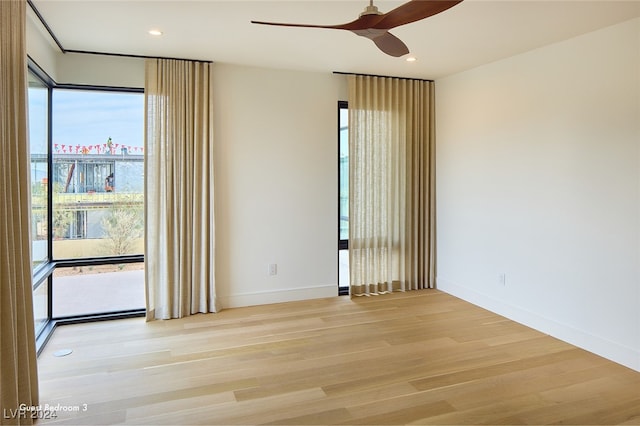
(411, 59)
(155, 32)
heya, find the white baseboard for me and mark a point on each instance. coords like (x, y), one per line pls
(278, 296)
(621, 354)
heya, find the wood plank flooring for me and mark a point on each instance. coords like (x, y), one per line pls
(421, 357)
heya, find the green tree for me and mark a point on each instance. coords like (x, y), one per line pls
(122, 225)
(62, 217)
(62, 220)
(39, 211)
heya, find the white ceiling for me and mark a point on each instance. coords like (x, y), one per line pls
(472, 33)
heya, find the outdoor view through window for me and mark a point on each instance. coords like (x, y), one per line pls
(38, 125)
(98, 179)
(98, 199)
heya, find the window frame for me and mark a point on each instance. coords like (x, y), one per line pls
(44, 272)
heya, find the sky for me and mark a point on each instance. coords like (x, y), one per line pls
(87, 118)
(84, 118)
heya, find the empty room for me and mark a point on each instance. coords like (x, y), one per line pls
(320, 212)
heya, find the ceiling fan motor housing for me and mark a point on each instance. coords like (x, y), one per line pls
(371, 10)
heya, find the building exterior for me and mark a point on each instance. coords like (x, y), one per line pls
(91, 193)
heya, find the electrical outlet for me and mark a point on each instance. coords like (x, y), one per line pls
(273, 269)
(502, 279)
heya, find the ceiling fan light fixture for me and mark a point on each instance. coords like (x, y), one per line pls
(411, 59)
(155, 32)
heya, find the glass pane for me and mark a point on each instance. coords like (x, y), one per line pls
(344, 174)
(84, 290)
(38, 124)
(98, 173)
(343, 268)
(40, 306)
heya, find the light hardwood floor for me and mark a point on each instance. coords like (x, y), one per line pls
(420, 357)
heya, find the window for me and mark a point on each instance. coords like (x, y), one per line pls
(98, 201)
(97, 289)
(38, 109)
(38, 94)
(98, 173)
(87, 202)
(343, 202)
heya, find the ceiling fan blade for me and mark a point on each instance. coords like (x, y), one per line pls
(391, 45)
(375, 25)
(282, 24)
(362, 23)
(413, 11)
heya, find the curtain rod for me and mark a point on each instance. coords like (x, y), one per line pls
(63, 50)
(382, 76)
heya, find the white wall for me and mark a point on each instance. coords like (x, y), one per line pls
(40, 46)
(100, 70)
(276, 184)
(538, 177)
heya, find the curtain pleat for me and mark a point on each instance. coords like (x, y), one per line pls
(18, 363)
(179, 210)
(391, 185)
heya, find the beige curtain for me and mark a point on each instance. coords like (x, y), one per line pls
(179, 210)
(18, 367)
(391, 185)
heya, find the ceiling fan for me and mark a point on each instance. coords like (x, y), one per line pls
(375, 25)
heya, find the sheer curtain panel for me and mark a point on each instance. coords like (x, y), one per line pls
(19, 377)
(391, 185)
(179, 209)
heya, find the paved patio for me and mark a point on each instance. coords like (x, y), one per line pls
(91, 293)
